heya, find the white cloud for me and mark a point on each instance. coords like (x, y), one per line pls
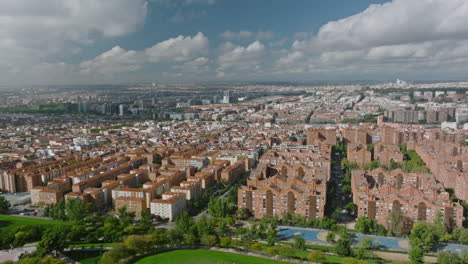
(248, 35)
(119, 60)
(198, 62)
(398, 22)
(195, 66)
(178, 49)
(407, 36)
(241, 58)
(36, 36)
(33, 31)
(116, 60)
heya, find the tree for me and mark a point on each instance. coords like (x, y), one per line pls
(299, 242)
(225, 242)
(361, 250)
(286, 251)
(56, 211)
(461, 235)
(243, 213)
(210, 240)
(351, 208)
(125, 217)
(137, 244)
(76, 209)
(23, 234)
(416, 254)
(230, 221)
(117, 253)
(423, 236)
(159, 237)
(145, 225)
(184, 222)
(317, 256)
(256, 247)
(331, 237)
(222, 228)
(53, 240)
(205, 226)
(343, 247)
(191, 239)
(271, 237)
(174, 236)
(4, 205)
(464, 256)
(365, 225)
(439, 225)
(219, 207)
(446, 257)
(395, 222)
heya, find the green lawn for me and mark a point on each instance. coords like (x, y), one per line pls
(329, 259)
(200, 256)
(8, 222)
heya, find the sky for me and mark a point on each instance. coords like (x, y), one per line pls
(187, 41)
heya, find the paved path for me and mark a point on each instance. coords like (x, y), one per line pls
(392, 256)
(15, 253)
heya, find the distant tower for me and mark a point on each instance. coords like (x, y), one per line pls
(153, 85)
(227, 97)
(123, 109)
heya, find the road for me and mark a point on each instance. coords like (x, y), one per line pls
(337, 178)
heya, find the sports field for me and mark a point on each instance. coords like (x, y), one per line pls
(200, 256)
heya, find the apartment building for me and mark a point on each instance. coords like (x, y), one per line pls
(275, 191)
(171, 205)
(418, 196)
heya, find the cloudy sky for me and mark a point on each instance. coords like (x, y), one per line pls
(180, 41)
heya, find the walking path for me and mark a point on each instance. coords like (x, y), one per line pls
(14, 254)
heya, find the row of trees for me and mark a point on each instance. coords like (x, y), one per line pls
(446, 257)
(366, 225)
(224, 232)
(220, 207)
(424, 237)
(20, 235)
(207, 231)
(412, 162)
(71, 209)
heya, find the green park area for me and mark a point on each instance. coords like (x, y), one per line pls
(38, 108)
(9, 223)
(204, 256)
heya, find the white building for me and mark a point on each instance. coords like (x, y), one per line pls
(170, 206)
